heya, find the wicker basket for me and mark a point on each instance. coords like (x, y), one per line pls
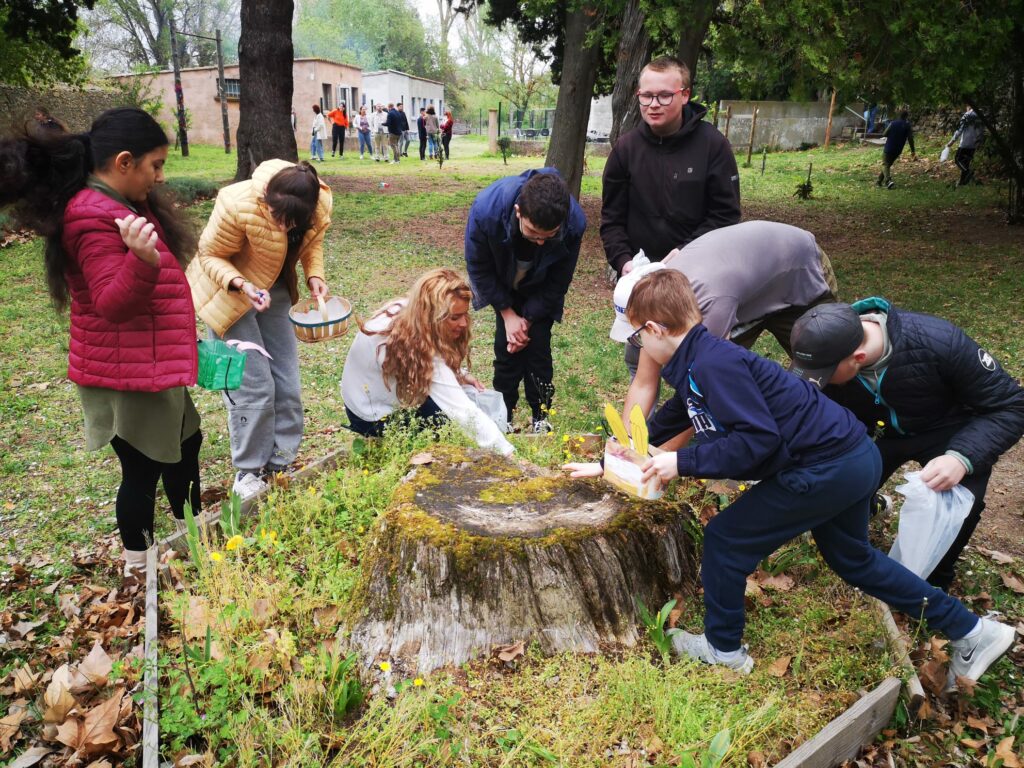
(328, 328)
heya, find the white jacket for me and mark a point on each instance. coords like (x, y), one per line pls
(365, 394)
(377, 120)
(318, 126)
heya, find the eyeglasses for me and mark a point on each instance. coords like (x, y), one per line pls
(634, 339)
(537, 237)
(646, 98)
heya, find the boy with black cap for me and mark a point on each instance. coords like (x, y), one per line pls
(941, 399)
(818, 470)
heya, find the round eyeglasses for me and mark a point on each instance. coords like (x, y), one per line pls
(646, 98)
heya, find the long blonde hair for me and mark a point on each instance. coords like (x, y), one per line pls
(417, 333)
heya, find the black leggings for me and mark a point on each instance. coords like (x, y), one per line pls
(136, 498)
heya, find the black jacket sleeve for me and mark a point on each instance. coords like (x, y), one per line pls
(979, 383)
(488, 290)
(721, 189)
(615, 210)
(550, 301)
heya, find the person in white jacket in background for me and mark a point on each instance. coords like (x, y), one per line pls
(410, 355)
(380, 132)
(316, 144)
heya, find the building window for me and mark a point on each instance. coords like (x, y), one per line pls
(232, 88)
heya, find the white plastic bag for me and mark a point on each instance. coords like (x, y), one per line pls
(944, 155)
(929, 522)
(491, 403)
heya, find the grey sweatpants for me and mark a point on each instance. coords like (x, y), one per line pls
(265, 421)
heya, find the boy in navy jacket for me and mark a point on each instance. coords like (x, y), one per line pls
(817, 468)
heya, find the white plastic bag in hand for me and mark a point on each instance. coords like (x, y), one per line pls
(944, 155)
(491, 403)
(929, 522)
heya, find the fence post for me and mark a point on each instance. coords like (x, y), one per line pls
(492, 130)
(828, 127)
(728, 119)
(753, 127)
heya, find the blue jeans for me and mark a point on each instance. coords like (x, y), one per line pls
(832, 500)
(431, 144)
(365, 142)
(428, 413)
(316, 149)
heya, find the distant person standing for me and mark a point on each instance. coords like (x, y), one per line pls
(316, 143)
(433, 129)
(668, 181)
(339, 123)
(897, 134)
(421, 129)
(393, 122)
(446, 131)
(363, 131)
(404, 149)
(970, 132)
(378, 124)
(295, 122)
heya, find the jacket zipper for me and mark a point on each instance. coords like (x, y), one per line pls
(879, 400)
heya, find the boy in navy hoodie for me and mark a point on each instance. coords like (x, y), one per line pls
(817, 468)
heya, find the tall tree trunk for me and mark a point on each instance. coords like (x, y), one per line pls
(635, 50)
(692, 37)
(575, 93)
(265, 70)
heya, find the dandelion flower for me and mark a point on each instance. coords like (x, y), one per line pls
(880, 423)
(216, 557)
(234, 543)
(385, 666)
(366, 472)
(599, 428)
(543, 407)
(552, 411)
(743, 487)
(418, 682)
(268, 535)
(565, 438)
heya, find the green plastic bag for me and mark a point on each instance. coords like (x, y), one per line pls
(220, 366)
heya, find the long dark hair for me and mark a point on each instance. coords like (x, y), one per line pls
(42, 169)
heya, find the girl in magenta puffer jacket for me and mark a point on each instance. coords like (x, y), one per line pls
(115, 252)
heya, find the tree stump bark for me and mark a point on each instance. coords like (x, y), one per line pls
(475, 552)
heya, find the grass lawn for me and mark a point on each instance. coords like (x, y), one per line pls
(923, 245)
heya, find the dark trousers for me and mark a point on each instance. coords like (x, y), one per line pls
(963, 158)
(428, 413)
(423, 146)
(446, 139)
(531, 365)
(136, 497)
(338, 140)
(832, 501)
(922, 448)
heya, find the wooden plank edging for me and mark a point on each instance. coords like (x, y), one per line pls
(915, 691)
(150, 685)
(842, 738)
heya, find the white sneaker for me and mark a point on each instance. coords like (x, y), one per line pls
(248, 484)
(134, 564)
(698, 647)
(541, 427)
(972, 658)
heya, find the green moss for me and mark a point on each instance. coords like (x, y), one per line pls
(519, 491)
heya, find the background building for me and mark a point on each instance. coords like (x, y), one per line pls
(389, 85)
(316, 81)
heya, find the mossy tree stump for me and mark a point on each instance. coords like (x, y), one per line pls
(476, 551)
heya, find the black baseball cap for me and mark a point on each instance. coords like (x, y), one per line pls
(822, 338)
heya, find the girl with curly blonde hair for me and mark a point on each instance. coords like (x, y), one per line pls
(410, 355)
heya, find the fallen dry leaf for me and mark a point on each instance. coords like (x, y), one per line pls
(1012, 582)
(938, 649)
(326, 617)
(756, 759)
(422, 458)
(25, 680)
(58, 699)
(780, 583)
(187, 760)
(977, 724)
(68, 605)
(24, 628)
(262, 611)
(933, 676)
(197, 618)
(1005, 751)
(30, 757)
(104, 763)
(94, 734)
(93, 672)
(512, 652)
(1000, 557)
(974, 743)
(780, 666)
(10, 726)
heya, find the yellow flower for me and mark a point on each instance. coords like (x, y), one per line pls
(270, 535)
(385, 666)
(543, 407)
(216, 557)
(599, 428)
(234, 543)
(880, 423)
(360, 529)
(418, 682)
(366, 472)
(565, 438)
(552, 411)
(743, 487)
